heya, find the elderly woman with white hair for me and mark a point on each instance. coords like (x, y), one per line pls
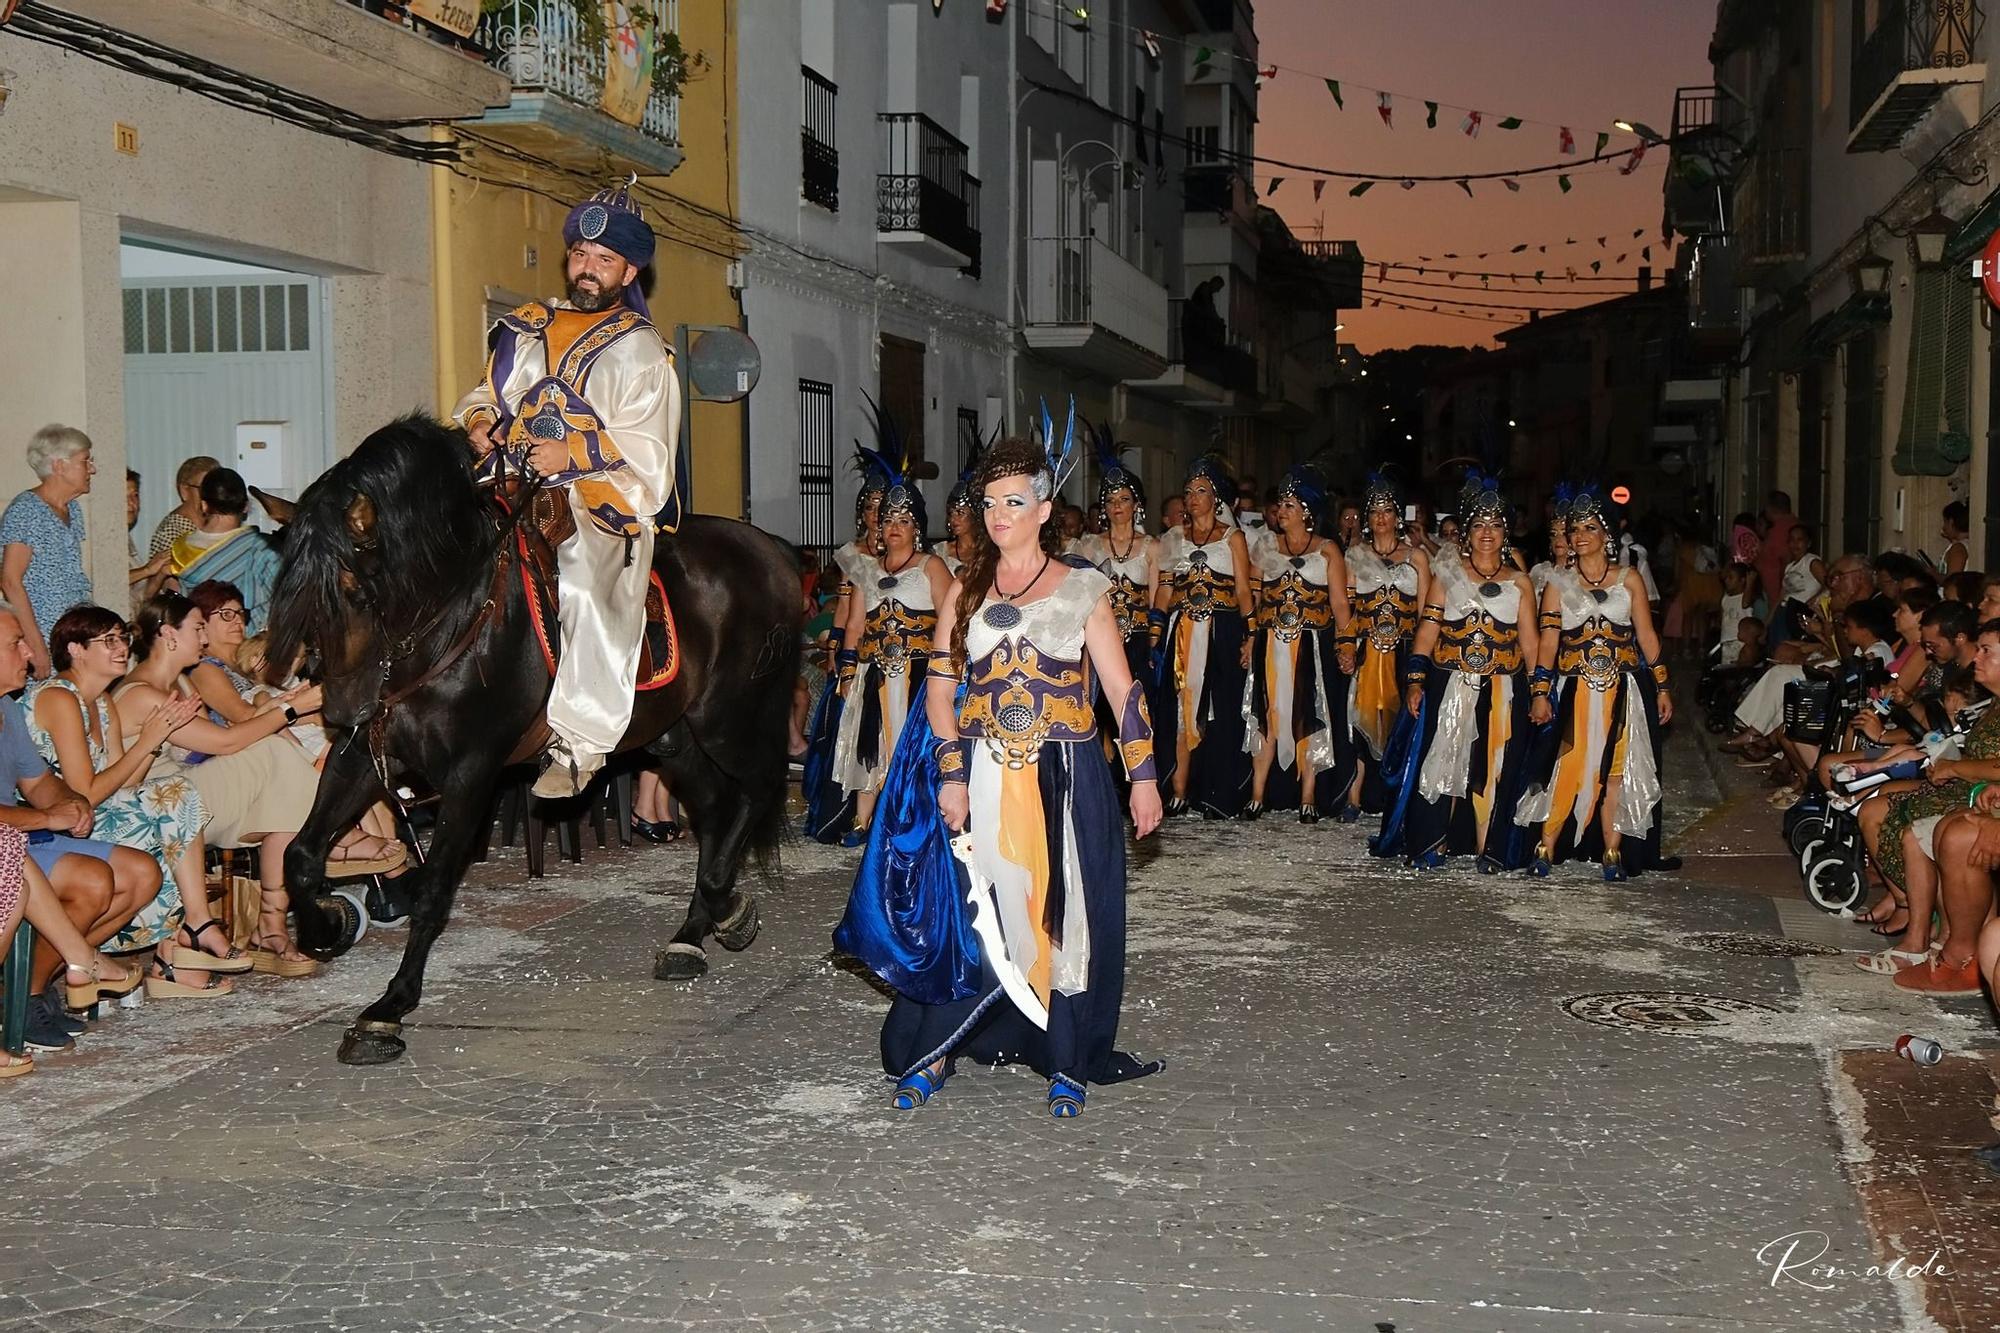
(41, 538)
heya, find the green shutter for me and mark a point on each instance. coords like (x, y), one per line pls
(1954, 444)
(1923, 383)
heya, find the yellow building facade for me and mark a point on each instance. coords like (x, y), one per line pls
(497, 216)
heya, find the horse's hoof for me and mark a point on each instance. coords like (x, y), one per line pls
(371, 1042)
(342, 921)
(679, 962)
(738, 931)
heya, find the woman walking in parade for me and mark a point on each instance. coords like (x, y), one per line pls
(1387, 580)
(888, 632)
(1465, 692)
(1010, 945)
(829, 809)
(1205, 589)
(1599, 676)
(1123, 553)
(1297, 699)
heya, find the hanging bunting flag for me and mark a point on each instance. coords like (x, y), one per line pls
(1409, 184)
(1382, 272)
(1632, 162)
(1637, 234)
(1602, 139)
(1511, 123)
(1202, 56)
(1518, 249)
(1272, 188)
(1566, 143)
(1378, 300)
(1150, 41)
(1601, 240)
(937, 6)
(1266, 74)
(1333, 86)
(1486, 281)
(1385, 108)
(1646, 253)
(1597, 266)
(1430, 115)
(1564, 182)
(1319, 188)
(1363, 188)
(1542, 248)
(996, 9)
(1512, 184)
(1570, 273)
(1469, 127)
(1619, 260)
(1538, 276)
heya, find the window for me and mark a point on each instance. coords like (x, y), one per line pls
(816, 466)
(208, 319)
(1204, 143)
(1826, 49)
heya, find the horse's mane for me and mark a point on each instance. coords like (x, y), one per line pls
(431, 535)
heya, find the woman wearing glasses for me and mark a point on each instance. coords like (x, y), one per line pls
(138, 802)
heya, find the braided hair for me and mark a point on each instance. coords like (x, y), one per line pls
(1010, 458)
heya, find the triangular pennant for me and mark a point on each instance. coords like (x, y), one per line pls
(1564, 182)
(1469, 127)
(1632, 162)
(1363, 188)
(1637, 234)
(1601, 240)
(1602, 139)
(1597, 266)
(1333, 86)
(1570, 273)
(1151, 41)
(1385, 108)
(1267, 72)
(1646, 253)
(1382, 271)
(1619, 260)
(1566, 142)
(1538, 276)
(1512, 184)
(1409, 184)
(1511, 123)
(1430, 115)
(1518, 249)
(1272, 188)
(1466, 186)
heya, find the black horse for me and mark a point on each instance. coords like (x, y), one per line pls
(405, 583)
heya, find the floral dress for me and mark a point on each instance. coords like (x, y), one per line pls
(161, 815)
(1936, 799)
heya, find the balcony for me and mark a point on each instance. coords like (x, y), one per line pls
(1089, 308)
(1217, 188)
(1918, 49)
(1338, 266)
(818, 157)
(1704, 148)
(1714, 300)
(1207, 369)
(337, 53)
(575, 102)
(926, 202)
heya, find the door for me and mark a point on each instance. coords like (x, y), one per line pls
(902, 396)
(1861, 468)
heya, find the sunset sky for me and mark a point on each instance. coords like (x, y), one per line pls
(1579, 63)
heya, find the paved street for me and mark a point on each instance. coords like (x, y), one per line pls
(1377, 1113)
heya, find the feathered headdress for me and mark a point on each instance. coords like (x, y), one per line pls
(1480, 500)
(1061, 454)
(885, 471)
(1574, 504)
(1113, 475)
(1302, 482)
(1381, 492)
(1212, 469)
(961, 496)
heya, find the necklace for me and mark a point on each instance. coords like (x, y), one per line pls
(1601, 580)
(889, 576)
(1010, 596)
(1214, 526)
(1111, 544)
(1381, 554)
(1485, 574)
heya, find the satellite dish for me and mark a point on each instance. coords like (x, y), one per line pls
(723, 365)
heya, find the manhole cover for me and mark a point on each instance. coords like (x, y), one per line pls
(1683, 1013)
(1758, 946)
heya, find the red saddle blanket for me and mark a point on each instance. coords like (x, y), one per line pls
(659, 645)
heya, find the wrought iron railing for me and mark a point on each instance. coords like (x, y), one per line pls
(924, 185)
(819, 155)
(1211, 187)
(544, 46)
(1910, 35)
(1771, 207)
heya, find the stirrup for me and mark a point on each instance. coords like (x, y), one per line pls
(1065, 1098)
(914, 1089)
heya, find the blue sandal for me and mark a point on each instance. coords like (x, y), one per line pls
(914, 1089)
(1065, 1098)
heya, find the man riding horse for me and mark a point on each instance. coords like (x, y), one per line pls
(583, 392)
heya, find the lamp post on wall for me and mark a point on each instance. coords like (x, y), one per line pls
(1928, 238)
(1870, 274)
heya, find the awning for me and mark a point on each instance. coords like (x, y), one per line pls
(1973, 233)
(1856, 315)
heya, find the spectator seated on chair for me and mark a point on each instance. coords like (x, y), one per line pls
(257, 784)
(139, 799)
(94, 886)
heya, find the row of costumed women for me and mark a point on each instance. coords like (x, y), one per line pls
(1476, 710)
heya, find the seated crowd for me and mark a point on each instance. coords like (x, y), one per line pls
(1913, 764)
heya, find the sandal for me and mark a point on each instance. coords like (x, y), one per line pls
(16, 1065)
(197, 959)
(916, 1088)
(1888, 962)
(83, 994)
(163, 983)
(354, 867)
(1065, 1098)
(285, 960)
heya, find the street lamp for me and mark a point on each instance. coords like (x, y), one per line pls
(1928, 237)
(1871, 274)
(1647, 134)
